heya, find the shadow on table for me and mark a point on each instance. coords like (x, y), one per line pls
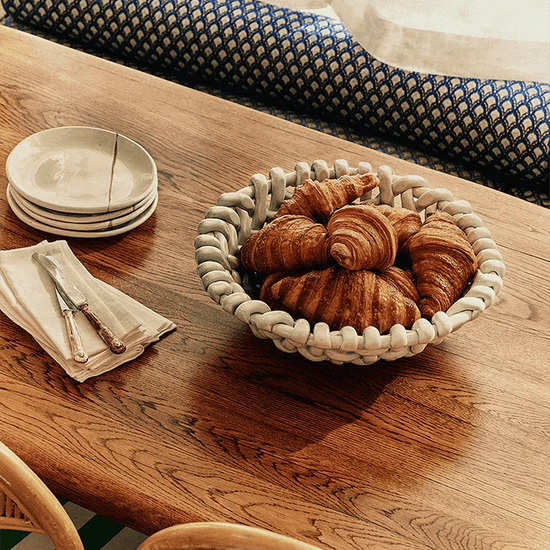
(394, 419)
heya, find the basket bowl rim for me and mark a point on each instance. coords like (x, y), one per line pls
(236, 215)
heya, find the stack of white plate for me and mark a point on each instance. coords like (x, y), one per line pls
(81, 182)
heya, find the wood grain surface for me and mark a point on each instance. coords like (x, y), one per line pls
(445, 450)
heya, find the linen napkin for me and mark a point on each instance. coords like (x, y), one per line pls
(27, 297)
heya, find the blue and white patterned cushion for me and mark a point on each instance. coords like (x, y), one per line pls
(308, 68)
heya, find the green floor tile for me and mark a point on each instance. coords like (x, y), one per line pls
(98, 531)
(8, 539)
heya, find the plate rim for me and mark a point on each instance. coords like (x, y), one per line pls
(85, 226)
(35, 224)
(127, 201)
(55, 217)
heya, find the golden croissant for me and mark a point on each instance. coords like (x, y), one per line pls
(405, 222)
(443, 262)
(362, 238)
(403, 280)
(319, 199)
(287, 243)
(340, 297)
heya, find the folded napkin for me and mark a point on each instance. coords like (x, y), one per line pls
(27, 297)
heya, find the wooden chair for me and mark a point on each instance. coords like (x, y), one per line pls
(220, 536)
(26, 504)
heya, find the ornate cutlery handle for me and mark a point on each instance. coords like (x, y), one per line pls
(77, 348)
(105, 333)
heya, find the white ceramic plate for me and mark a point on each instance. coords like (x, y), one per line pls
(32, 222)
(90, 225)
(81, 170)
(52, 217)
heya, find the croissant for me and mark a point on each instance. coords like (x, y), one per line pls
(287, 243)
(405, 222)
(318, 200)
(362, 238)
(340, 297)
(403, 280)
(443, 262)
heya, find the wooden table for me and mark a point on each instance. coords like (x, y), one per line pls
(448, 449)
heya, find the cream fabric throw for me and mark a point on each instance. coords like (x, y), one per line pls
(27, 297)
(485, 39)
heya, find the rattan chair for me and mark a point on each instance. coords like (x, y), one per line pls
(26, 504)
(220, 536)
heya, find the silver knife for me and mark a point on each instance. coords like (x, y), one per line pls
(72, 295)
(77, 348)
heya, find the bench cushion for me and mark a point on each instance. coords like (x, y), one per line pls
(308, 68)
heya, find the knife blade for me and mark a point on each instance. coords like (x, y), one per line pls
(73, 295)
(77, 347)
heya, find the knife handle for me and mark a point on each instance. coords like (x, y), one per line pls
(77, 348)
(105, 333)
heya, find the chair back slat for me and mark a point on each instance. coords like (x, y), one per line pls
(26, 504)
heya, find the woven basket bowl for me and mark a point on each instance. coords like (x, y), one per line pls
(237, 215)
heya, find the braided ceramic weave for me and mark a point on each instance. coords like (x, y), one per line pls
(237, 215)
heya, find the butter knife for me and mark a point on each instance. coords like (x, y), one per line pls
(77, 348)
(72, 295)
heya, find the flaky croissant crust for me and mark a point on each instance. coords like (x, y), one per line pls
(344, 272)
(287, 243)
(340, 297)
(319, 199)
(443, 262)
(362, 238)
(405, 222)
